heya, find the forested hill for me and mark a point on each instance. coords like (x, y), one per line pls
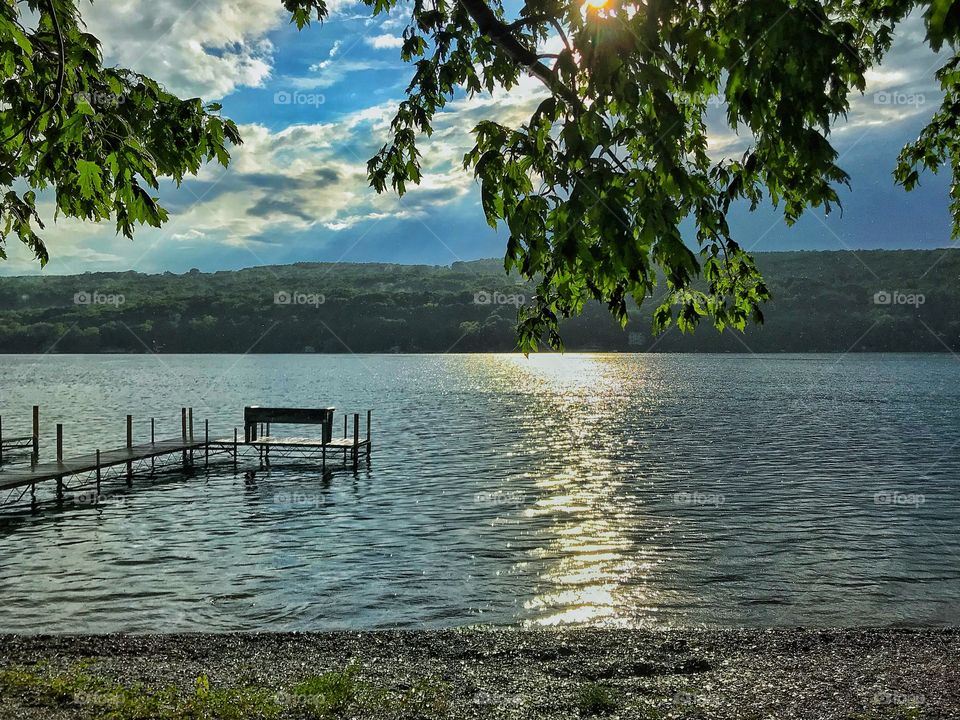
(823, 302)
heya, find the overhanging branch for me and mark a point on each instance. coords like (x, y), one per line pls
(501, 34)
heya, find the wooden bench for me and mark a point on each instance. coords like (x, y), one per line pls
(254, 416)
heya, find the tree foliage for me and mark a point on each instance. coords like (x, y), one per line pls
(595, 186)
(99, 138)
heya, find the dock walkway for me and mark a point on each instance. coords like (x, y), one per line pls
(22, 475)
(94, 467)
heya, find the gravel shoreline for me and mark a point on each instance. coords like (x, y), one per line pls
(498, 673)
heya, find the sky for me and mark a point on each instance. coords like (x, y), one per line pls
(313, 106)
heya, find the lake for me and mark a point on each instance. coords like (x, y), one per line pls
(609, 490)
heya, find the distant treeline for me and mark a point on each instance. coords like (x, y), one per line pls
(823, 302)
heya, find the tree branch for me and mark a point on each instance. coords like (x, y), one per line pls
(532, 20)
(561, 33)
(28, 126)
(498, 31)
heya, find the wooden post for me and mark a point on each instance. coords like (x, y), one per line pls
(183, 432)
(265, 432)
(356, 439)
(234, 449)
(344, 424)
(36, 434)
(206, 442)
(369, 413)
(129, 447)
(190, 411)
(33, 497)
(60, 461)
(98, 473)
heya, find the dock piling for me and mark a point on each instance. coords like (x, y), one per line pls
(60, 461)
(234, 449)
(190, 416)
(369, 414)
(36, 434)
(183, 432)
(129, 447)
(356, 439)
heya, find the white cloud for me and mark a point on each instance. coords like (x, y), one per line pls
(328, 73)
(205, 49)
(382, 42)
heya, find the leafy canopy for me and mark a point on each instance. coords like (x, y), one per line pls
(594, 188)
(99, 138)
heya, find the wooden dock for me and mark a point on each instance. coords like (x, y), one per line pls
(93, 468)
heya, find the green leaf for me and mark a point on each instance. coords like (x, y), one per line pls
(89, 178)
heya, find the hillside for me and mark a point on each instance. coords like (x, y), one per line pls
(823, 302)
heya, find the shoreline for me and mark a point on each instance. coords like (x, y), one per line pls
(848, 673)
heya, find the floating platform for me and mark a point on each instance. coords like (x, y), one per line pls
(92, 469)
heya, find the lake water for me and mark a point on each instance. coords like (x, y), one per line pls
(619, 490)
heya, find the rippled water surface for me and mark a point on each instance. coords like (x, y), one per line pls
(645, 490)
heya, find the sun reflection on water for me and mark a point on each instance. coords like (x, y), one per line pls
(589, 562)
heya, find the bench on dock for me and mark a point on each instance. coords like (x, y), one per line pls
(255, 416)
